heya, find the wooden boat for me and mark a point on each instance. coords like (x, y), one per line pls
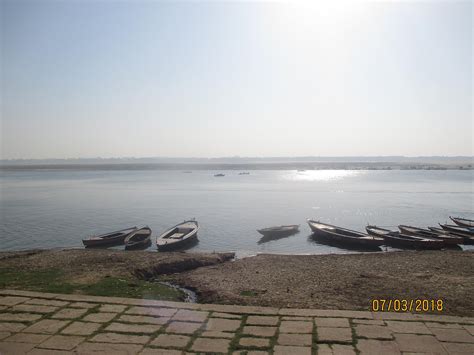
(400, 240)
(139, 239)
(178, 236)
(219, 175)
(468, 239)
(345, 236)
(279, 230)
(420, 232)
(108, 239)
(463, 222)
(457, 229)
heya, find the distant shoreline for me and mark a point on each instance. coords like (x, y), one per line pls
(316, 165)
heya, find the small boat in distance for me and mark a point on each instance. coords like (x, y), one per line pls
(400, 240)
(463, 222)
(109, 239)
(420, 232)
(219, 175)
(244, 173)
(139, 239)
(344, 235)
(279, 230)
(178, 236)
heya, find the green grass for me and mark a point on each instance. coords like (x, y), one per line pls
(54, 281)
(249, 293)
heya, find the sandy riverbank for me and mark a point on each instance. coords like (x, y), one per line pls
(306, 281)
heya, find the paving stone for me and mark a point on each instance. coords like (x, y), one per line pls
(214, 334)
(373, 331)
(82, 305)
(332, 322)
(4, 335)
(171, 341)
(302, 319)
(62, 342)
(132, 328)
(254, 342)
(259, 331)
(109, 349)
(408, 327)
(459, 348)
(49, 352)
(143, 319)
(81, 328)
(190, 316)
(46, 302)
(154, 351)
(69, 313)
(211, 345)
(120, 338)
(33, 308)
(375, 347)
(46, 326)
(469, 328)
(11, 327)
(262, 320)
(453, 335)
(222, 325)
(12, 300)
(226, 315)
(336, 349)
(256, 352)
(339, 349)
(329, 335)
(369, 321)
(419, 343)
(296, 327)
(19, 317)
(101, 317)
(152, 311)
(293, 350)
(183, 327)
(28, 338)
(10, 348)
(443, 325)
(112, 308)
(295, 339)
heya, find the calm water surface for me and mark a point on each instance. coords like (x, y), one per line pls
(57, 208)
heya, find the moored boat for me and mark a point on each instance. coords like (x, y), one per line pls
(468, 239)
(219, 175)
(344, 235)
(139, 239)
(400, 240)
(279, 230)
(421, 232)
(108, 239)
(457, 229)
(178, 236)
(463, 222)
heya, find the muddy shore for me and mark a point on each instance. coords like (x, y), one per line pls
(333, 281)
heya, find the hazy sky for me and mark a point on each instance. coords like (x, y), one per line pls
(110, 79)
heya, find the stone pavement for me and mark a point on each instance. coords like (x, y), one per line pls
(44, 323)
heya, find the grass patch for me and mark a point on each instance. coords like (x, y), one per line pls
(248, 293)
(54, 281)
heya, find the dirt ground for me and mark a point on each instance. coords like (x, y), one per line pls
(347, 281)
(339, 281)
(90, 265)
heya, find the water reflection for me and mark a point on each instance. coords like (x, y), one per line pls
(317, 239)
(269, 238)
(321, 175)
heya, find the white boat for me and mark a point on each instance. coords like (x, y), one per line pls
(279, 230)
(178, 236)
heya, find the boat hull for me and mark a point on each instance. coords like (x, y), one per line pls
(344, 236)
(166, 242)
(448, 239)
(104, 240)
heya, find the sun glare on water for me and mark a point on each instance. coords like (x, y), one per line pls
(321, 175)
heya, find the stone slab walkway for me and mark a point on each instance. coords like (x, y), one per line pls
(44, 323)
